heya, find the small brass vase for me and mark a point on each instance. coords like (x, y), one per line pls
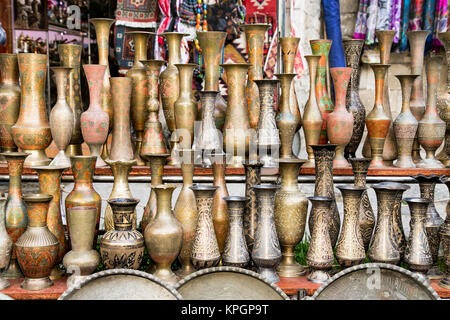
(444, 232)
(6, 245)
(219, 205)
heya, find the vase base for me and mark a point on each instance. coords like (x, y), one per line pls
(291, 270)
(269, 274)
(36, 158)
(36, 284)
(74, 150)
(57, 273)
(318, 276)
(430, 164)
(61, 160)
(405, 162)
(4, 283)
(166, 275)
(434, 273)
(311, 163)
(13, 271)
(185, 271)
(377, 163)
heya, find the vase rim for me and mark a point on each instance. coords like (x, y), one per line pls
(164, 34)
(258, 25)
(360, 159)
(186, 64)
(204, 187)
(32, 54)
(418, 32)
(121, 201)
(353, 40)
(290, 160)
(61, 68)
(121, 161)
(15, 154)
(428, 177)
(266, 186)
(252, 163)
(391, 186)
(148, 156)
(411, 75)
(289, 37)
(101, 19)
(350, 187)
(321, 40)
(50, 168)
(37, 197)
(320, 198)
(148, 61)
(266, 80)
(83, 157)
(141, 32)
(236, 199)
(235, 64)
(416, 200)
(208, 92)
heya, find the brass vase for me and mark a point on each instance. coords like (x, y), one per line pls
(431, 131)
(153, 140)
(31, 132)
(417, 40)
(123, 246)
(324, 187)
(290, 210)
(121, 147)
(443, 103)
(83, 259)
(321, 48)
(377, 121)
(360, 167)
(139, 89)
(320, 251)
(95, 121)
(353, 49)
(350, 249)
(62, 119)
(185, 211)
(70, 56)
(312, 117)
(205, 250)
(16, 217)
(9, 99)
(444, 233)
(254, 36)
(236, 133)
(340, 121)
(219, 205)
(185, 107)
(37, 247)
(121, 189)
(418, 254)
(235, 253)
(50, 183)
(427, 184)
(6, 245)
(285, 120)
(268, 137)
(157, 162)
(405, 125)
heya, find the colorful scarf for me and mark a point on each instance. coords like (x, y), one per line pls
(440, 20)
(366, 21)
(395, 19)
(405, 23)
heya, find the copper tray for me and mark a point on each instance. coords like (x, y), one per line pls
(121, 284)
(228, 283)
(375, 281)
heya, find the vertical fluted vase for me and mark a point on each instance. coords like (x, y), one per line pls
(443, 103)
(219, 206)
(6, 245)
(210, 138)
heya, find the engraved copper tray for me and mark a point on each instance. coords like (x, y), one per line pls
(121, 284)
(228, 283)
(375, 281)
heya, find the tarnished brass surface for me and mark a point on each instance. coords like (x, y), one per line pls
(6, 245)
(444, 232)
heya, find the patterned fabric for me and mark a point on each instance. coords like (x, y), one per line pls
(271, 59)
(428, 20)
(164, 7)
(395, 19)
(124, 47)
(440, 20)
(332, 17)
(383, 15)
(187, 12)
(366, 21)
(405, 23)
(415, 15)
(137, 13)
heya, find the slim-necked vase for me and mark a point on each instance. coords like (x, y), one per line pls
(6, 245)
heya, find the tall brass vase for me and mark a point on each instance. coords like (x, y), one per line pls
(443, 103)
(290, 210)
(444, 232)
(6, 245)
(31, 132)
(219, 206)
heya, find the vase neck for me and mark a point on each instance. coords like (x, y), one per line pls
(157, 170)
(140, 48)
(219, 173)
(61, 79)
(360, 179)
(120, 173)
(174, 44)
(312, 64)
(9, 69)
(187, 171)
(379, 85)
(37, 213)
(186, 74)
(123, 219)
(15, 169)
(289, 175)
(341, 77)
(2, 215)
(102, 28)
(406, 86)
(434, 66)
(163, 202)
(285, 83)
(83, 171)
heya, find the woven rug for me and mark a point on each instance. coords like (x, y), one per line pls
(137, 13)
(124, 47)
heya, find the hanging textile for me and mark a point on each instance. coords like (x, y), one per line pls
(164, 8)
(395, 19)
(271, 59)
(124, 47)
(366, 21)
(440, 20)
(137, 14)
(383, 15)
(332, 17)
(415, 15)
(403, 43)
(428, 20)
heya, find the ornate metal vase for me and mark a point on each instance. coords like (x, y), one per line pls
(340, 121)
(350, 249)
(324, 187)
(123, 246)
(377, 121)
(320, 251)
(353, 49)
(94, 121)
(9, 99)
(443, 103)
(5, 246)
(418, 253)
(444, 232)
(205, 250)
(31, 132)
(209, 139)
(312, 117)
(431, 131)
(266, 251)
(219, 206)
(185, 211)
(360, 167)
(405, 125)
(236, 135)
(235, 253)
(121, 147)
(83, 259)
(290, 210)
(37, 247)
(62, 119)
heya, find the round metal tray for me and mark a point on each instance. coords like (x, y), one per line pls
(375, 281)
(121, 284)
(228, 283)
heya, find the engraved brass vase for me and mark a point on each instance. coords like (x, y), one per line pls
(6, 245)
(219, 205)
(444, 232)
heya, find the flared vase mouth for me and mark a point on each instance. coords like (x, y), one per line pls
(236, 199)
(391, 186)
(37, 197)
(123, 201)
(204, 187)
(416, 200)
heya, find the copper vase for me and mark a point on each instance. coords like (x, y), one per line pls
(443, 103)
(340, 121)
(444, 232)
(235, 252)
(254, 36)
(139, 89)
(185, 211)
(62, 120)
(236, 130)
(312, 117)
(31, 132)
(219, 206)
(37, 247)
(6, 245)
(405, 125)
(290, 210)
(360, 168)
(205, 250)
(377, 121)
(123, 246)
(70, 56)
(353, 49)
(16, 218)
(121, 147)
(95, 121)
(431, 131)
(350, 249)
(9, 99)
(320, 251)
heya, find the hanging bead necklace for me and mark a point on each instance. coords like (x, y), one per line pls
(202, 22)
